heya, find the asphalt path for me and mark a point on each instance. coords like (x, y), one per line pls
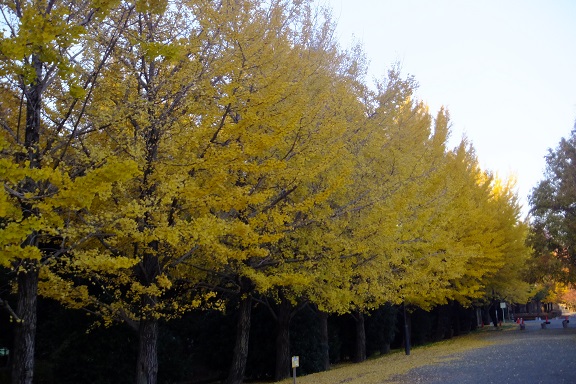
(530, 356)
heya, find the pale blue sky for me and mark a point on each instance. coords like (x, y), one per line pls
(506, 70)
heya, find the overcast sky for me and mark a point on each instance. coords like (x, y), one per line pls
(505, 69)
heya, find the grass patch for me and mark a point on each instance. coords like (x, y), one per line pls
(383, 369)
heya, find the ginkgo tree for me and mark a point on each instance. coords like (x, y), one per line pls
(487, 234)
(46, 79)
(231, 115)
(509, 283)
(301, 119)
(158, 107)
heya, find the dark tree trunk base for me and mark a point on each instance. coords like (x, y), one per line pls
(25, 330)
(147, 366)
(238, 366)
(360, 352)
(283, 361)
(324, 342)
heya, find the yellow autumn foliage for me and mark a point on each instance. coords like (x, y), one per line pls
(235, 141)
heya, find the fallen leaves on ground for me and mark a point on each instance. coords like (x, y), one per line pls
(384, 369)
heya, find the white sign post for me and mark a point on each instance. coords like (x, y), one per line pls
(295, 364)
(503, 307)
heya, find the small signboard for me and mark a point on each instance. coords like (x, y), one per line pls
(503, 305)
(295, 361)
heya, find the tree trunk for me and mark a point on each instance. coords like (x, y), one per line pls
(283, 361)
(238, 367)
(324, 344)
(25, 329)
(360, 345)
(385, 348)
(407, 330)
(449, 320)
(455, 312)
(147, 368)
(386, 319)
(442, 323)
(33, 115)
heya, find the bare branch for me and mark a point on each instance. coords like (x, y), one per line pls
(184, 257)
(6, 305)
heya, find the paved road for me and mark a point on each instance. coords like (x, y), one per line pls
(532, 356)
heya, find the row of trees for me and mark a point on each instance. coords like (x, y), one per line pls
(163, 157)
